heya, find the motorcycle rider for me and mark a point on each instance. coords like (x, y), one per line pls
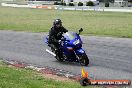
(55, 35)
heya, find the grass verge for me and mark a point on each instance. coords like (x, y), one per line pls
(11, 77)
(40, 20)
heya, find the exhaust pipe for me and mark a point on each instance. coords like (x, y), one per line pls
(50, 52)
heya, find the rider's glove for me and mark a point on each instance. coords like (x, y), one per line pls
(59, 34)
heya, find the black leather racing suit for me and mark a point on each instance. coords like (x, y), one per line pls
(55, 34)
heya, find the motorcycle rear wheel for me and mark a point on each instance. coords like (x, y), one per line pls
(59, 58)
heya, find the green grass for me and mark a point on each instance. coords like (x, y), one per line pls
(40, 20)
(11, 77)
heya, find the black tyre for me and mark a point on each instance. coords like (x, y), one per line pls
(59, 58)
(84, 60)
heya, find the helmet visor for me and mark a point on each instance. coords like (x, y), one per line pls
(58, 25)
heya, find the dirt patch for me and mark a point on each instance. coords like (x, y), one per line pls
(49, 76)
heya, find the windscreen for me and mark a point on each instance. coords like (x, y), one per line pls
(70, 35)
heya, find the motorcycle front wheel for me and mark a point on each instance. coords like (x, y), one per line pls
(84, 60)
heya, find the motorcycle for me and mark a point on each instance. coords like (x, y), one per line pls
(71, 48)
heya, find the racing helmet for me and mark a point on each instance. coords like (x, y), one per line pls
(57, 23)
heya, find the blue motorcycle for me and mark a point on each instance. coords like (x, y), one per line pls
(71, 48)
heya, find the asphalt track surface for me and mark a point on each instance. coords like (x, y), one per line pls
(110, 58)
